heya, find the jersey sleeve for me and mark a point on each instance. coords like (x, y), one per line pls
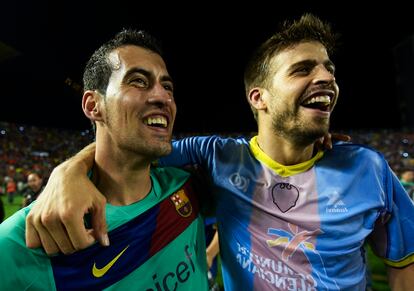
(197, 155)
(394, 230)
(22, 268)
(190, 151)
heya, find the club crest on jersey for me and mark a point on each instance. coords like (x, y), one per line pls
(285, 196)
(182, 203)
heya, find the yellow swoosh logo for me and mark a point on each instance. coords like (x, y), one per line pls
(102, 271)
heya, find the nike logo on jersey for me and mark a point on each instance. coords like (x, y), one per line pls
(99, 272)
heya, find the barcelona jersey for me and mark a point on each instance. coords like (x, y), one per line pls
(156, 244)
(301, 227)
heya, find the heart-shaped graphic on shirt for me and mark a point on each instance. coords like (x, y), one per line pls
(285, 196)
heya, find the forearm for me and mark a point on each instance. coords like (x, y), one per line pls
(80, 163)
(401, 279)
(73, 169)
(213, 248)
(56, 221)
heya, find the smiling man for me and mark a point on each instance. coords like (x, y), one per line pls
(153, 217)
(290, 216)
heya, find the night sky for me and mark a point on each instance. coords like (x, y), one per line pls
(206, 46)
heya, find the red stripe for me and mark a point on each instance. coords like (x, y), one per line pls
(170, 224)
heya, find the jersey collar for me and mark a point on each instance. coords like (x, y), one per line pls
(282, 170)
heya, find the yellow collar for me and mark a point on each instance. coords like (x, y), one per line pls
(281, 170)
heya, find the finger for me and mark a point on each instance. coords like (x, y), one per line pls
(32, 237)
(319, 144)
(47, 241)
(99, 222)
(341, 137)
(31, 234)
(61, 238)
(77, 232)
(327, 141)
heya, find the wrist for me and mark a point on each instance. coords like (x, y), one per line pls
(80, 163)
(72, 168)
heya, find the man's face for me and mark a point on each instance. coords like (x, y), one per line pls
(139, 106)
(302, 92)
(34, 182)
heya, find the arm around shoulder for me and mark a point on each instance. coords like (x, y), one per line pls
(81, 162)
(56, 220)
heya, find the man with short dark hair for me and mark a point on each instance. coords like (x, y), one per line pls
(154, 221)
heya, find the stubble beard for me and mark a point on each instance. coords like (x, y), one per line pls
(151, 150)
(290, 126)
(138, 144)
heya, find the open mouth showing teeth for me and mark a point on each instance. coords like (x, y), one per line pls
(318, 102)
(156, 121)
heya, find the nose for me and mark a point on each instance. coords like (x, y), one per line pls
(160, 95)
(323, 75)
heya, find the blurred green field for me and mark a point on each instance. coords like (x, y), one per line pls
(378, 272)
(11, 208)
(377, 267)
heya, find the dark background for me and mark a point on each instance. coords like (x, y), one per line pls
(44, 46)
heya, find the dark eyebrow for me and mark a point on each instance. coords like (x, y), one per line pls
(146, 73)
(304, 63)
(310, 63)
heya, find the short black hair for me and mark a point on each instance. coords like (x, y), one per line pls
(98, 69)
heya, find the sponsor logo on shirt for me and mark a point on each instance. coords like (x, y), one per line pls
(170, 280)
(99, 272)
(335, 204)
(291, 242)
(276, 274)
(239, 181)
(175, 278)
(283, 267)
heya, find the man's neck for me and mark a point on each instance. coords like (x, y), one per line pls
(124, 178)
(282, 150)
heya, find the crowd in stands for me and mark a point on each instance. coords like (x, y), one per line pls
(396, 146)
(25, 149)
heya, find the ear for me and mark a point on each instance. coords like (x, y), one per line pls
(90, 105)
(256, 98)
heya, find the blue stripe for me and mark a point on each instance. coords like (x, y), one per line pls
(74, 272)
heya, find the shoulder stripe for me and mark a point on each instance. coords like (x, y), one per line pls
(402, 263)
